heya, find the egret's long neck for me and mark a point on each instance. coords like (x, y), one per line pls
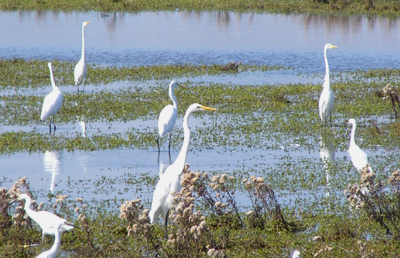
(31, 213)
(83, 43)
(353, 132)
(181, 160)
(53, 83)
(54, 248)
(173, 98)
(326, 69)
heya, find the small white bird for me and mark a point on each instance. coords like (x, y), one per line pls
(358, 156)
(46, 220)
(327, 98)
(52, 252)
(169, 181)
(80, 68)
(52, 102)
(167, 118)
(296, 254)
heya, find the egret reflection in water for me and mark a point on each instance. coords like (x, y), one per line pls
(81, 120)
(51, 162)
(327, 154)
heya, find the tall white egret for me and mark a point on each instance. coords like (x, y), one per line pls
(80, 68)
(167, 118)
(52, 102)
(327, 98)
(52, 252)
(46, 220)
(358, 156)
(169, 181)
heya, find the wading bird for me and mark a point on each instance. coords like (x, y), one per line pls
(358, 156)
(52, 102)
(167, 118)
(169, 181)
(80, 68)
(46, 220)
(52, 252)
(327, 98)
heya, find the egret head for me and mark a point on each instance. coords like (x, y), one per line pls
(173, 84)
(85, 23)
(351, 121)
(198, 107)
(327, 46)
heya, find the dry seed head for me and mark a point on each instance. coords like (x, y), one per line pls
(214, 178)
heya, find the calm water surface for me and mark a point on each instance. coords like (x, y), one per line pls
(202, 37)
(125, 39)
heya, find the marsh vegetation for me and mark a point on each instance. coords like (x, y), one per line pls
(208, 219)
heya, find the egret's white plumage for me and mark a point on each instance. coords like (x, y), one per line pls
(169, 181)
(80, 68)
(52, 102)
(327, 98)
(52, 252)
(167, 118)
(358, 156)
(46, 220)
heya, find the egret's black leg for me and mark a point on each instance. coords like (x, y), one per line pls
(169, 145)
(166, 223)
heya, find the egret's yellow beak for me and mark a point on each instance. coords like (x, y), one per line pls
(209, 108)
(180, 85)
(334, 47)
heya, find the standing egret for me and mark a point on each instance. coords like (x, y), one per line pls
(80, 68)
(52, 102)
(327, 98)
(46, 220)
(52, 252)
(167, 118)
(169, 181)
(358, 156)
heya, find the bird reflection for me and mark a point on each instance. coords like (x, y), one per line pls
(327, 154)
(81, 120)
(51, 162)
(82, 125)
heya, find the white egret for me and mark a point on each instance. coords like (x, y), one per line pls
(52, 102)
(46, 220)
(167, 118)
(169, 181)
(80, 68)
(52, 252)
(358, 156)
(327, 98)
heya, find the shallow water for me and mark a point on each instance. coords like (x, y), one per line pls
(123, 39)
(202, 38)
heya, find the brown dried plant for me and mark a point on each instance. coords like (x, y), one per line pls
(264, 203)
(7, 197)
(372, 197)
(215, 193)
(392, 94)
(139, 225)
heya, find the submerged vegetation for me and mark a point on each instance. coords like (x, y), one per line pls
(338, 7)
